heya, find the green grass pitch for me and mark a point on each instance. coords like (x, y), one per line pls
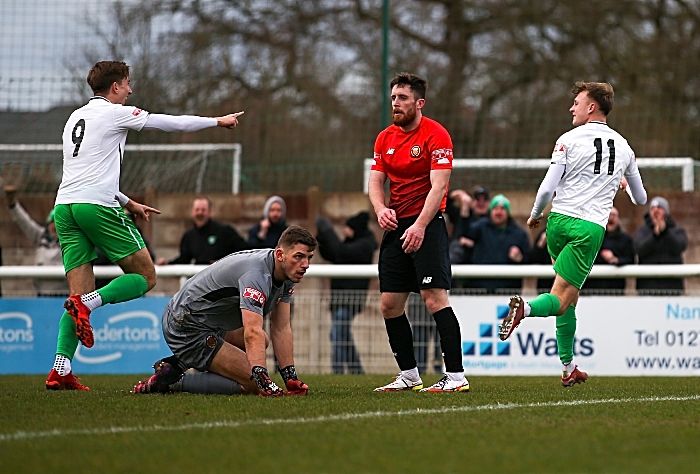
(505, 424)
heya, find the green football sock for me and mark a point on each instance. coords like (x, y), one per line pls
(124, 288)
(545, 304)
(67, 339)
(566, 330)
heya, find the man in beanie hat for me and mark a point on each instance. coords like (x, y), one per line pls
(348, 295)
(267, 232)
(498, 240)
(587, 167)
(660, 241)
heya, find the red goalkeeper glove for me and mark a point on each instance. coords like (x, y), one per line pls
(296, 387)
(292, 382)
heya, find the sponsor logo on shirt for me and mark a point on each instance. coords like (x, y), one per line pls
(558, 147)
(390, 151)
(442, 156)
(255, 295)
(415, 151)
(136, 112)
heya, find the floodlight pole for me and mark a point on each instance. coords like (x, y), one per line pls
(385, 64)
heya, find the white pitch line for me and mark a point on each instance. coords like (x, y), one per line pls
(22, 435)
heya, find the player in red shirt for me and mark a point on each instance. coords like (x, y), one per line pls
(415, 153)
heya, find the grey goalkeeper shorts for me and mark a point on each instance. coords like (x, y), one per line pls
(193, 342)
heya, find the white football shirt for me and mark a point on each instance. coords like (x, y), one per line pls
(93, 150)
(595, 157)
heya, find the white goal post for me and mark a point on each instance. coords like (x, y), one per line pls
(202, 148)
(686, 164)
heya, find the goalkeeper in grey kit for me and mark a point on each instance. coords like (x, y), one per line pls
(215, 323)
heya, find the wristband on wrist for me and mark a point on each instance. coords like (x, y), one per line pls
(289, 373)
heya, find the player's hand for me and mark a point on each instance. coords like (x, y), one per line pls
(140, 210)
(515, 254)
(466, 242)
(413, 238)
(266, 387)
(296, 387)
(542, 241)
(387, 219)
(228, 121)
(533, 223)
(623, 183)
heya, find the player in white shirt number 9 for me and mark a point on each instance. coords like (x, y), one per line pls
(89, 208)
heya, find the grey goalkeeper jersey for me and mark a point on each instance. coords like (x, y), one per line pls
(242, 280)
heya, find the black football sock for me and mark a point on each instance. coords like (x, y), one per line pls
(450, 339)
(401, 341)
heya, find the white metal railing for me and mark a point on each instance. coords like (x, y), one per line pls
(371, 271)
(686, 164)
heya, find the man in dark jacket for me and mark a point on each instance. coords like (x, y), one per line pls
(617, 249)
(358, 247)
(498, 239)
(208, 240)
(267, 232)
(660, 241)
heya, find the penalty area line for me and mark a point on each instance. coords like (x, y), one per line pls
(23, 435)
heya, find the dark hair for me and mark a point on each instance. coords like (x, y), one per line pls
(105, 73)
(295, 234)
(601, 92)
(417, 84)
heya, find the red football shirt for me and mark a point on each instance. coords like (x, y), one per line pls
(407, 159)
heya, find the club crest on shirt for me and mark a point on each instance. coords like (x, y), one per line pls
(415, 151)
(136, 112)
(255, 295)
(211, 240)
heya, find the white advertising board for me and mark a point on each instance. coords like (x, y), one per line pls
(615, 336)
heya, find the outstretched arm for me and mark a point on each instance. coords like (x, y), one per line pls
(189, 123)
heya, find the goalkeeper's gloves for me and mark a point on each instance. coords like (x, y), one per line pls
(292, 382)
(266, 387)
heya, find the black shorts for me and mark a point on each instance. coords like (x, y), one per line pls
(429, 267)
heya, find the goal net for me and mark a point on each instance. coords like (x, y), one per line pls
(188, 168)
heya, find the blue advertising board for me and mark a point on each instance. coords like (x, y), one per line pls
(128, 336)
